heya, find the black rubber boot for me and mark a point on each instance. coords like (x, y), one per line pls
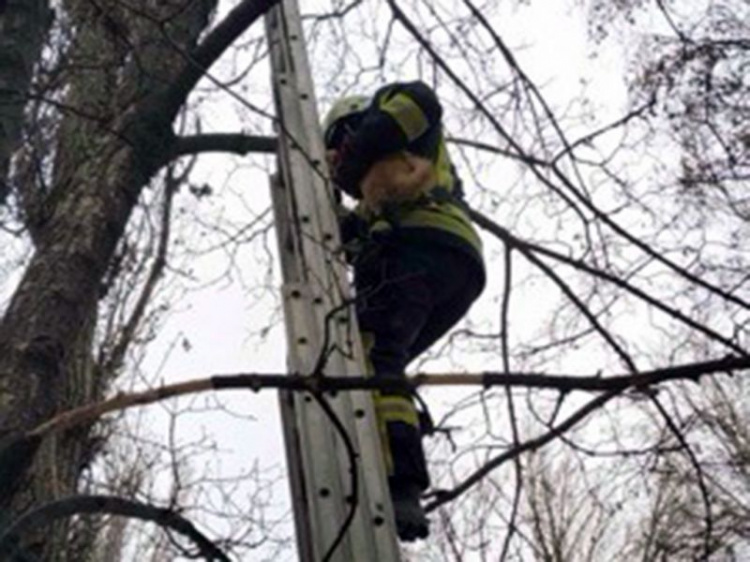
(411, 520)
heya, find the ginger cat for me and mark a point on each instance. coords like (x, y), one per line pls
(397, 178)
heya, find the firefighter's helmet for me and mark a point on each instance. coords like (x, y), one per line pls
(342, 118)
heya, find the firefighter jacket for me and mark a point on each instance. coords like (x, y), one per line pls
(396, 163)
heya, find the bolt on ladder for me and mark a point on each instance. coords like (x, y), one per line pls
(315, 290)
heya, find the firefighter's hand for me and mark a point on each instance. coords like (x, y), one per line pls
(397, 178)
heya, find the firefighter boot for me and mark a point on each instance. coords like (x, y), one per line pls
(405, 462)
(411, 520)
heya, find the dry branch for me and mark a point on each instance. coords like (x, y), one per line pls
(318, 384)
(235, 143)
(76, 505)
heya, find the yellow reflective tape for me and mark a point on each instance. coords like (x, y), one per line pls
(381, 226)
(407, 114)
(396, 409)
(385, 445)
(446, 217)
(443, 168)
(392, 409)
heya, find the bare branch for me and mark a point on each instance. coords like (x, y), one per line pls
(115, 357)
(235, 143)
(698, 472)
(114, 505)
(528, 249)
(214, 45)
(530, 445)
(564, 180)
(323, 383)
(352, 456)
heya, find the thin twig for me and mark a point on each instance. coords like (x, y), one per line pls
(528, 249)
(698, 471)
(504, 314)
(530, 445)
(599, 214)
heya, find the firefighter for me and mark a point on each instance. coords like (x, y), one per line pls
(417, 259)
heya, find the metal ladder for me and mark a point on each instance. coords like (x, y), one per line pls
(315, 291)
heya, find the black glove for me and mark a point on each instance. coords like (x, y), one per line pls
(354, 232)
(352, 227)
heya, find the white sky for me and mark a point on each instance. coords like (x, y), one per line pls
(219, 324)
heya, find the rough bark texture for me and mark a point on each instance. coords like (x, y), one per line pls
(23, 26)
(119, 70)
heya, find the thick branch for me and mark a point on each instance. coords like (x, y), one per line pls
(15, 450)
(215, 43)
(235, 143)
(256, 382)
(115, 357)
(113, 505)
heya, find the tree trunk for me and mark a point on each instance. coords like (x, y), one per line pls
(102, 162)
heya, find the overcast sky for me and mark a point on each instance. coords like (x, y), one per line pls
(214, 331)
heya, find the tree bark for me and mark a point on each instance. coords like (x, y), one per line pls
(129, 70)
(102, 162)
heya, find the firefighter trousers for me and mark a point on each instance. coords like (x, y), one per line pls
(409, 294)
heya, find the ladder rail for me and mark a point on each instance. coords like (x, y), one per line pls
(316, 283)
